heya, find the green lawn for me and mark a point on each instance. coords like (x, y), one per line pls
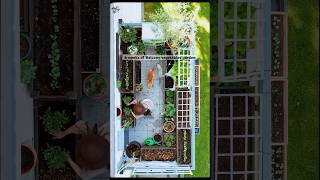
(203, 53)
(303, 34)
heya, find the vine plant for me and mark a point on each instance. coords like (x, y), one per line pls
(54, 55)
(127, 76)
(185, 146)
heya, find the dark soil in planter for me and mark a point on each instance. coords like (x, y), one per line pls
(224, 107)
(158, 154)
(42, 45)
(44, 138)
(181, 158)
(239, 106)
(157, 137)
(123, 75)
(169, 82)
(24, 46)
(277, 111)
(138, 71)
(90, 35)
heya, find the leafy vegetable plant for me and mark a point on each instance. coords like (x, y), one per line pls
(28, 71)
(127, 111)
(55, 157)
(54, 120)
(169, 139)
(127, 99)
(128, 34)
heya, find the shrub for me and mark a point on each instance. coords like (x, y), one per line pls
(55, 157)
(128, 34)
(28, 71)
(54, 120)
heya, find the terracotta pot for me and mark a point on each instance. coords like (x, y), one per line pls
(167, 124)
(138, 109)
(29, 158)
(119, 111)
(85, 88)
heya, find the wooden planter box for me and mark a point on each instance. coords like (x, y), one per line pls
(69, 80)
(283, 161)
(43, 138)
(24, 15)
(282, 71)
(279, 93)
(158, 154)
(180, 147)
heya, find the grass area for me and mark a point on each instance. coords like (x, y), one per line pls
(203, 53)
(303, 147)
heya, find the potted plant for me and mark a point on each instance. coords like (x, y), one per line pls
(160, 49)
(28, 158)
(139, 87)
(54, 120)
(128, 34)
(55, 157)
(133, 149)
(169, 126)
(169, 139)
(157, 138)
(133, 49)
(94, 86)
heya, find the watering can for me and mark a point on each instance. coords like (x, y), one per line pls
(150, 142)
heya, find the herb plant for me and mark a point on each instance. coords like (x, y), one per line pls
(126, 99)
(28, 71)
(185, 146)
(127, 76)
(169, 139)
(127, 123)
(55, 157)
(128, 34)
(118, 84)
(96, 85)
(54, 56)
(54, 120)
(139, 87)
(127, 111)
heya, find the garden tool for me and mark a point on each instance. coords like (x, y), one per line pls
(150, 142)
(150, 78)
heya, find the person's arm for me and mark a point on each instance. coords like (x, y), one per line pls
(84, 174)
(133, 102)
(78, 128)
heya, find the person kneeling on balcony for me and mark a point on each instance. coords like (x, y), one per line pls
(141, 108)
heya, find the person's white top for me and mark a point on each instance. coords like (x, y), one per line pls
(147, 103)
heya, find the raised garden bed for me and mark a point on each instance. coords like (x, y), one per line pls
(278, 111)
(278, 61)
(43, 139)
(184, 146)
(90, 41)
(127, 119)
(53, 47)
(278, 162)
(25, 46)
(158, 154)
(127, 76)
(24, 15)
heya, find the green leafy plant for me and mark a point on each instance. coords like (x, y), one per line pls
(139, 87)
(126, 99)
(168, 21)
(185, 146)
(141, 47)
(28, 71)
(96, 85)
(169, 139)
(170, 97)
(54, 120)
(118, 83)
(55, 157)
(127, 76)
(127, 123)
(127, 111)
(160, 49)
(54, 56)
(128, 34)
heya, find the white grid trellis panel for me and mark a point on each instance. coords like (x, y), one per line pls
(183, 109)
(240, 25)
(237, 136)
(183, 67)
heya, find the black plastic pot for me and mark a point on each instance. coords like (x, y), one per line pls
(28, 158)
(133, 147)
(25, 46)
